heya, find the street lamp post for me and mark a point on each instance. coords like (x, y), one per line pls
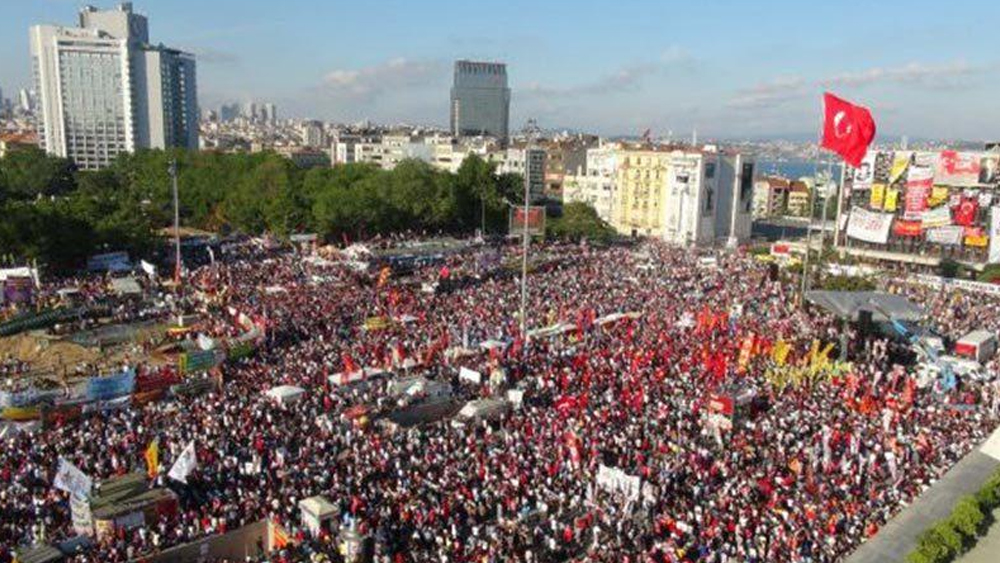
(177, 224)
(524, 243)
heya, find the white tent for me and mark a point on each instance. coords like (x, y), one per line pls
(339, 378)
(286, 394)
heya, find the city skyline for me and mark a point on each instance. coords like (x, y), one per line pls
(726, 70)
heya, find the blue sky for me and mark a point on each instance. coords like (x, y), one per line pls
(727, 68)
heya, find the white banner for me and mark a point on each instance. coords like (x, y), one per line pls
(614, 480)
(951, 235)
(83, 520)
(994, 254)
(205, 342)
(869, 226)
(184, 465)
(470, 375)
(937, 217)
(69, 478)
(864, 174)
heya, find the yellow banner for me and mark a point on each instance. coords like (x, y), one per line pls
(939, 195)
(899, 165)
(780, 352)
(791, 375)
(20, 414)
(979, 241)
(153, 459)
(891, 199)
(878, 196)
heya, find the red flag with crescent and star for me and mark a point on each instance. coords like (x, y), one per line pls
(848, 129)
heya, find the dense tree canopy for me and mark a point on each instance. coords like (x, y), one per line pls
(580, 221)
(59, 215)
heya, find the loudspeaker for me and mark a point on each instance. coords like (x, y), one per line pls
(865, 320)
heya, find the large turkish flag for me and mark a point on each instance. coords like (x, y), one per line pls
(847, 129)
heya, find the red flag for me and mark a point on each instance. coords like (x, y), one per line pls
(349, 366)
(847, 129)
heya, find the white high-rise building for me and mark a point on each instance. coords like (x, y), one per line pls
(24, 101)
(270, 113)
(104, 90)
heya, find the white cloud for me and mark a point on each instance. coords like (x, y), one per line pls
(624, 79)
(914, 73)
(373, 81)
(770, 94)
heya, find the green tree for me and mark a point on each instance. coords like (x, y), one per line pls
(966, 517)
(29, 173)
(580, 221)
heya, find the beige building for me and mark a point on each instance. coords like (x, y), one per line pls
(683, 195)
(798, 200)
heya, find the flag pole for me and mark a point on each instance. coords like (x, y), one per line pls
(812, 204)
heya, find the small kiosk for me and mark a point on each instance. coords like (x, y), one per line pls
(317, 513)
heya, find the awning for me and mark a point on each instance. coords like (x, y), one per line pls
(849, 304)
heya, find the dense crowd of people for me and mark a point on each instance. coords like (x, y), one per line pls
(806, 475)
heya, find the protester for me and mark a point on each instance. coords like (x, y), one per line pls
(822, 464)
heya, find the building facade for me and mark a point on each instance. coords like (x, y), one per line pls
(313, 134)
(684, 196)
(594, 183)
(771, 196)
(104, 90)
(529, 162)
(480, 100)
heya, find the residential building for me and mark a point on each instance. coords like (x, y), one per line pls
(313, 135)
(306, 157)
(529, 162)
(103, 89)
(594, 183)
(564, 156)
(798, 199)
(13, 141)
(229, 112)
(683, 195)
(770, 196)
(480, 100)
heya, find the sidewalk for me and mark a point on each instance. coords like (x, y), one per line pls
(899, 536)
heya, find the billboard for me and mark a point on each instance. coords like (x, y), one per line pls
(535, 220)
(957, 168)
(868, 226)
(18, 290)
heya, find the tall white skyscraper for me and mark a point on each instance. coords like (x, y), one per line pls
(270, 113)
(480, 100)
(25, 102)
(104, 90)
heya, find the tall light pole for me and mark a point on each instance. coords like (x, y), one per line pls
(524, 242)
(177, 225)
(531, 131)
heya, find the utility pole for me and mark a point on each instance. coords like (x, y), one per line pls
(809, 229)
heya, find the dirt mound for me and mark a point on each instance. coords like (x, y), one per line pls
(44, 354)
